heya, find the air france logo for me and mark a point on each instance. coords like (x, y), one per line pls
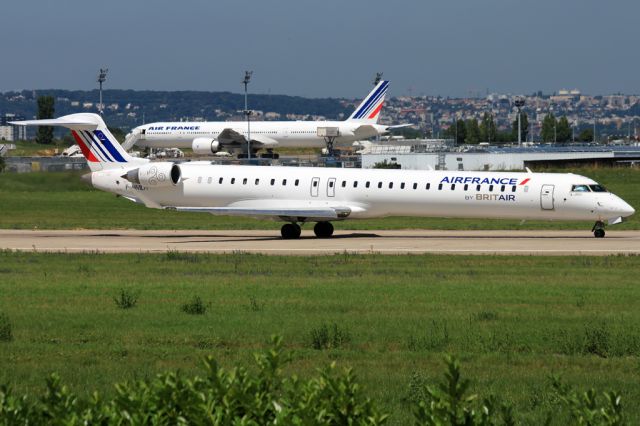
(166, 128)
(480, 181)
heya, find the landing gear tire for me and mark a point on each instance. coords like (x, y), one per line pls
(290, 231)
(598, 230)
(323, 229)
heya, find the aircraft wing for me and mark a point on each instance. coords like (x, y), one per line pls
(398, 126)
(232, 137)
(285, 213)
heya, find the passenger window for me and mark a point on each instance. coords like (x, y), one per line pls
(490, 188)
(478, 187)
(355, 183)
(315, 183)
(513, 188)
(453, 187)
(402, 185)
(415, 185)
(273, 182)
(466, 186)
(257, 181)
(209, 180)
(580, 188)
(284, 182)
(331, 184)
(297, 181)
(244, 181)
(390, 185)
(428, 186)
(439, 187)
(367, 184)
(379, 184)
(233, 180)
(220, 181)
(502, 188)
(344, 183)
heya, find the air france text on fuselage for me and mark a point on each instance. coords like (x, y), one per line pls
(480, 181)
(165, 128)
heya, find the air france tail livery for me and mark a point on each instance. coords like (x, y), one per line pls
(297, 195)
(206, 138)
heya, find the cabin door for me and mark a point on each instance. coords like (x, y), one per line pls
(315, 185)
(546, 197)
(331, 187)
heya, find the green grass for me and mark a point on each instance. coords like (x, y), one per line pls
(512, 321)
(62, 200)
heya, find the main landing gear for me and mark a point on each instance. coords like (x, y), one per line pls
(598, 229)
(291, 231)
(323, 229)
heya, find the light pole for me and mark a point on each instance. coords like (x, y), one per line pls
(377, 79)
(594, 128)
(519, 104)
(247, 78)
(102, 77)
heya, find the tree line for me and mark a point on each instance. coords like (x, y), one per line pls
(472, 131)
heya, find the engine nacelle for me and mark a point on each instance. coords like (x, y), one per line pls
(205, 146)
(156, 174)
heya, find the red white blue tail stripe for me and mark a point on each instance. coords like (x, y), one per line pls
(371, 106)
(97, 148)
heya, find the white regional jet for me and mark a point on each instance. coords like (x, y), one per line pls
(206, 138)
(298, 195)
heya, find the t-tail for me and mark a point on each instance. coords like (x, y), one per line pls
(369, 110)
(98, 145)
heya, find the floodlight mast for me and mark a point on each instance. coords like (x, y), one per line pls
(378, 78)
(247, 113)
(519, 103)
(102, 77)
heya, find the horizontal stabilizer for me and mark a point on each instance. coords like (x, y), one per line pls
(76, 124)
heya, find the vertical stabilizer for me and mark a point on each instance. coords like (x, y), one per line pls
(369, 110)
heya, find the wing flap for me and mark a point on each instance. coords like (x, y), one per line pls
(287, 212)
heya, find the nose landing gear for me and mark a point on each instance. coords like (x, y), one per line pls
(290, 231)
(598, 229)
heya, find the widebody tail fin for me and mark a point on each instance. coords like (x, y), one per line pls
(98, 145)
(369, 110)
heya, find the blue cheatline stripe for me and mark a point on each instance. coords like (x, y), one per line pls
(107, 143)
(97, 145)
(372, 98)
(374, 102)
(91, 146)
(368, 101)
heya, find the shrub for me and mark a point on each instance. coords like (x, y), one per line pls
(195, 306)
(589, 408)
(448, 403)
(325, 337)
(126, 299)
(257, 396)
(6, 334)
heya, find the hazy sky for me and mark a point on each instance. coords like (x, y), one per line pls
(325, 48)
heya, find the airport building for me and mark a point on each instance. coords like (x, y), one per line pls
(416, 156)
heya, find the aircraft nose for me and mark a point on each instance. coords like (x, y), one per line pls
(627, 210)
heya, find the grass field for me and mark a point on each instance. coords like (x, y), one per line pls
(62, 200)
(512, 321)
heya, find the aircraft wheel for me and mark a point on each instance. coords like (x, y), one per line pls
(323, 229)
(598, 233)
(290, 231)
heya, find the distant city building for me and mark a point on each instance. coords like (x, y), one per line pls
(10, 132)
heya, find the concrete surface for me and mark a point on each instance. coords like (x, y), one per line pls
(269, 242)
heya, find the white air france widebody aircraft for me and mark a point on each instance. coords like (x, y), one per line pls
(206, 138)
(298, 195)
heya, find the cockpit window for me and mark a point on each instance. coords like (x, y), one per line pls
(580, 188)
(598, 188)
